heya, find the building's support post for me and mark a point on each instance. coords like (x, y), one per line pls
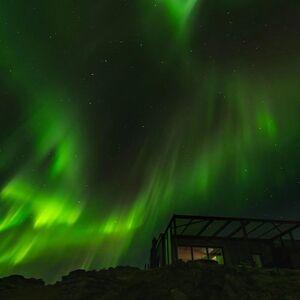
(246, 242)
(292, 239)
(154, 261)
(163, 246)
(294, 249)
(175, 239)
(167, 241)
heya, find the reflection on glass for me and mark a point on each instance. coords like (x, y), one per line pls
(199, 253)
(216, 254)
(184, 253)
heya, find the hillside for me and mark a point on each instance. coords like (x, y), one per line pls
(177, 282)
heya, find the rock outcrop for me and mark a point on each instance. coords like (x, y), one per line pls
(177, 282)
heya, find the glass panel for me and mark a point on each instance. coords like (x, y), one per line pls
(284, 227)
(166, 249)
(209, 229)
(194, 227)
(216, 226)
(229, 229)
(252, 225)
(216, 254)
(239, 234)
(286, 237)
(271, 234)
(184, 253)
(261, 230)
(159, 252)
(180, 223)
(199, 253)
(169, 247)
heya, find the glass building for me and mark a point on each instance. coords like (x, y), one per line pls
(229, 241)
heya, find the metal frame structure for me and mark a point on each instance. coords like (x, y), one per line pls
(232, 228)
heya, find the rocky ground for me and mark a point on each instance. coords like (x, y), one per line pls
(178, 282)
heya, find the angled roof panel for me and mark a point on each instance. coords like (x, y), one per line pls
(222, 227)
(229, 229)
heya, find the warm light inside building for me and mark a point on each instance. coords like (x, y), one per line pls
(199, 253)
(188, 253)
(184, 253)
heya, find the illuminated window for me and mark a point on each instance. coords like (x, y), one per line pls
(199, 253)
(216, 254)
(194, 253)
(184, 253)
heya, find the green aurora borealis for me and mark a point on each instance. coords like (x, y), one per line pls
(117, 114)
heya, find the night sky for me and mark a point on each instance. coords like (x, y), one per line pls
(116, 114)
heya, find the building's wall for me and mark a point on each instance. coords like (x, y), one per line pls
(265, 250)
(235, 251)
(295, 255)
(295, 258)
(287, 254)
